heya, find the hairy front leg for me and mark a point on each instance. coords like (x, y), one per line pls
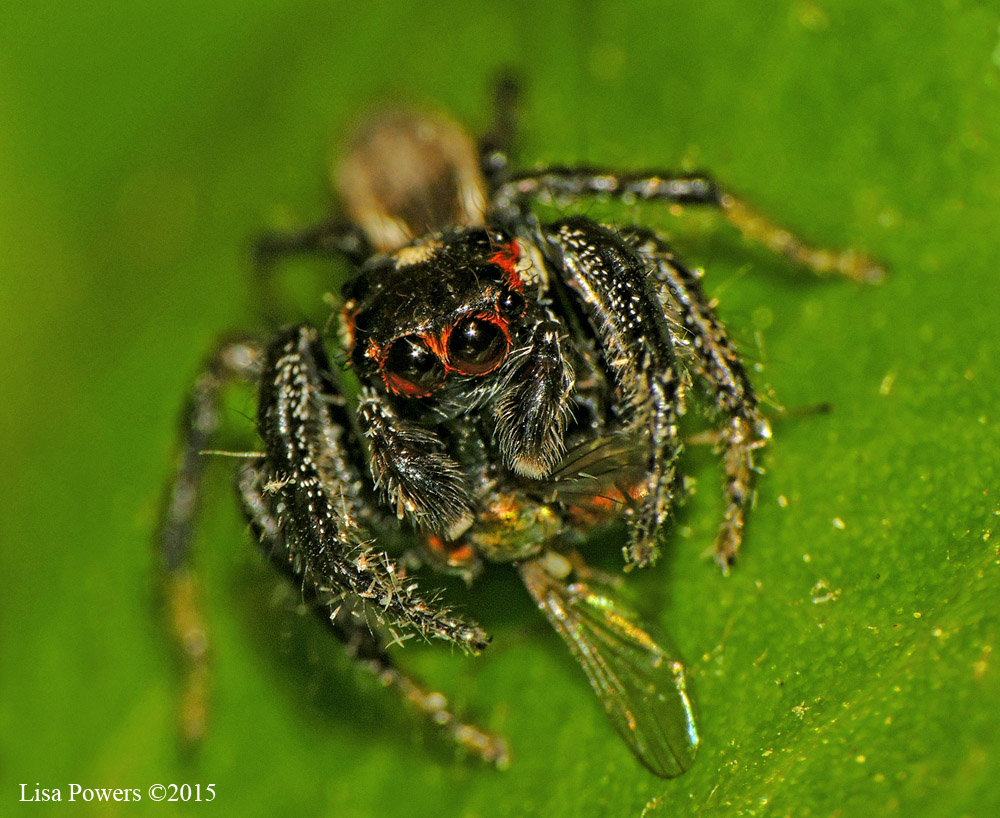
(318, 494)
(612, 285)
(353, 630)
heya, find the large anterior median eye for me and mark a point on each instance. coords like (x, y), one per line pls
(410, 368)
(476, 346)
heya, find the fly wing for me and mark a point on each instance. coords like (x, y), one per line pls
(605, 467)
(638, 677)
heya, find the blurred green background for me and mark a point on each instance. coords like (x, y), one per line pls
(848, 666)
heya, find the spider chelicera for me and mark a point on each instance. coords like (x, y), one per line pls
(518, 382)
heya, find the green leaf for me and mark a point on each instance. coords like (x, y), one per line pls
(847, 666)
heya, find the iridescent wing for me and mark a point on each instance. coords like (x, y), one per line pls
(605, 467)
(639, 678)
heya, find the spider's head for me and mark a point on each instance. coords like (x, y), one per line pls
(446, 306)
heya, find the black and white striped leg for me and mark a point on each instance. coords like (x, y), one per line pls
(567, 183)
(708, 352)
(317, 495)
(361, 641)
(616, 294)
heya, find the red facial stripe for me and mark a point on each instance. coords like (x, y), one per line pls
(437, 345)
(507, 258)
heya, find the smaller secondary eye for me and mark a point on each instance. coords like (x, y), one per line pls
(512, 304)
(411, 368)
(476, 346)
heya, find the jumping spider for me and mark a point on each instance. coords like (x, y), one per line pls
(520, 381)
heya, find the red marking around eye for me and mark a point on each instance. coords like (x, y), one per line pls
(504, 326)
(439, 346)
(506, 258)
(403, 387)
(399, 385)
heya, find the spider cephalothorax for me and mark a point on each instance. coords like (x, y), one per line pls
(446, 307)
(520, 382)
